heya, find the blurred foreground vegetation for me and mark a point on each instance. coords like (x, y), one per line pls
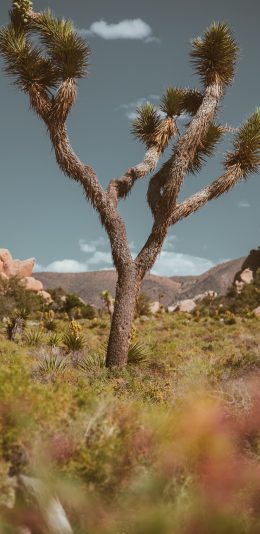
(169, 445)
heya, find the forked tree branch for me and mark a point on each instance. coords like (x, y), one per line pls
(214, 190)
(119, 188)
(186, 148)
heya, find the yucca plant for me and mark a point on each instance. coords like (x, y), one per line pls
(54, 339)
(33, 337)
(48, 73)
(52, 364)
(138, 353)
(92, 362)
(73, 339)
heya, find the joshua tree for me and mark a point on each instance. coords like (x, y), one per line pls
(48, 71)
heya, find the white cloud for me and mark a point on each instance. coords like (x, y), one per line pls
(95, 257)
(243, 204)
(100, 257)
(125, 29)
(177, 264)
(131, 107)
(91, 246)
(63, 266)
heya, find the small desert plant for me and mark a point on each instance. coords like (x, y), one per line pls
(52, 364)
(143, 305)
(54, 339)
(74, 339)
(137, 353)
(93, 362)
(15, 325)
(33, 337)
(49, 322)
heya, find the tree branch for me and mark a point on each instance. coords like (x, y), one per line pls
(164, 186)
(119, 188)
(216, 189)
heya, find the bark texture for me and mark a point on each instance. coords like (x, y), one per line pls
(127, 291)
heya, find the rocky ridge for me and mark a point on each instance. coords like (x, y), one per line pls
(23, 270)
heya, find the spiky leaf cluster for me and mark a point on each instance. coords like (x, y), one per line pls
(206, 147)
(21, 11)
(67, 51)
(192, 100)
(247, 146)
(172, 102)
(214, 56)
(24, 61)
(146, 124)
(178, 100)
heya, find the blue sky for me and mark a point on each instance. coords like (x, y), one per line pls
(139, 48)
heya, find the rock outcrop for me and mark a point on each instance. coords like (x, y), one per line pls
(23, 270)
(248, 270)
(187, 305)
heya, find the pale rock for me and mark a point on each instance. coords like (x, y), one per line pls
(256, 311)
(32, 284)
(155, 307)
(19, 268)
(172, 308)
(187, 305)
(247, 276)
(3, 276)
(46, 296)
(1, 266)
(5, 255)
(211, 294)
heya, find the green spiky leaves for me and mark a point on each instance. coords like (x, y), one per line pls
(247, 146)
(63, 55)
(24, 62)
(146, 124)
(172, 102)
(177, 101)
(214, 56)
(206, 147)
(65, 48)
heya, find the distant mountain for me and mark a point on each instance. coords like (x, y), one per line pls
(89, 285)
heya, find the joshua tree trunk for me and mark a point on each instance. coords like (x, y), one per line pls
(127, 291)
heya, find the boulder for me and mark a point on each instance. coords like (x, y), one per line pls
(187, 305)
(155, 307)
(246, 276)
(1, 266)
(19, 268)
(32, 284)
(3, 276)
(172, 308)
(46, 296)
(5, 255)
(256, 311)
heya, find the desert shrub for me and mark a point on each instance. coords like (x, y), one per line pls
(93, 362)
(33, 337)
(13, 295)
(15, 324)
(73, 339)
(52, 364)
(54, 339)
(143, 305)
(49, 322)
(137, 353)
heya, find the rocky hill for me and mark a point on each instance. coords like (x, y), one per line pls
(168, 291)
